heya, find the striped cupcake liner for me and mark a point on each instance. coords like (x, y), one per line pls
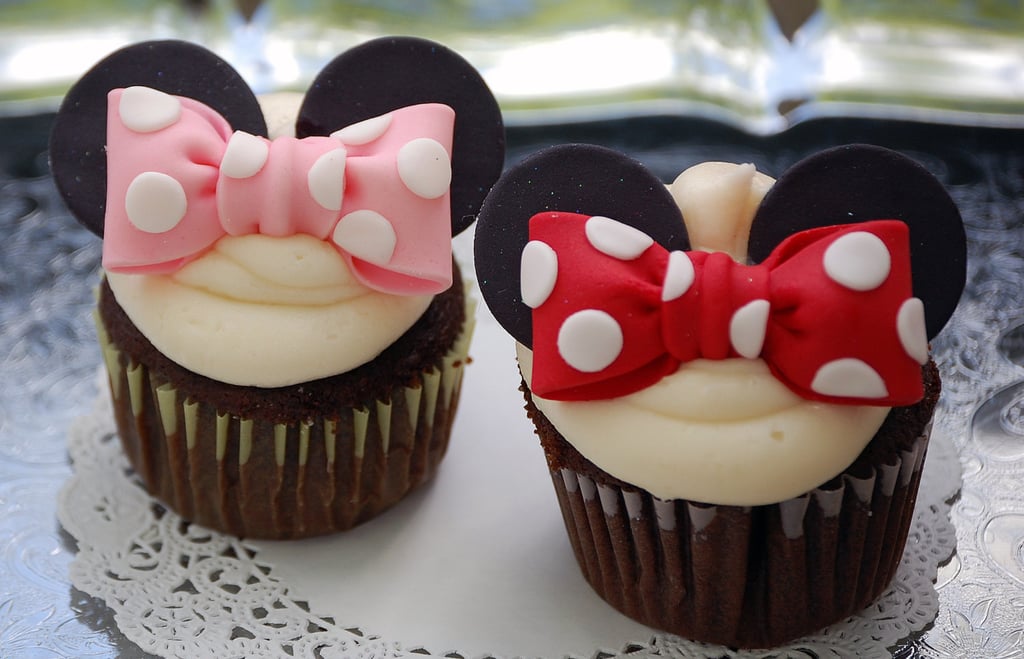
(743, 576)
(253, 478)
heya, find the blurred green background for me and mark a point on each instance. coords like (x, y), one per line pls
(761, 65)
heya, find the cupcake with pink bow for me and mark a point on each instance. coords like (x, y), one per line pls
(281, 317)
(730, 375)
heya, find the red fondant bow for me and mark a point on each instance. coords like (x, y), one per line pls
(830, 311)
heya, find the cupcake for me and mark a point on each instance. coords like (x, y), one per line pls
(281, 317)
(730, 376)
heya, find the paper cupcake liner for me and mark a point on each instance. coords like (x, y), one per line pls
(743, 576)
(254, 478)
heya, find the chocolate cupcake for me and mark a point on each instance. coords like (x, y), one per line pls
(281, 317)
(735, 407)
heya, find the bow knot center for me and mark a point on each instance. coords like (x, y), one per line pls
(722, 314)
(281, 187)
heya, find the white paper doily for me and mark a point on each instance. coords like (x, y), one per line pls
(476, 564)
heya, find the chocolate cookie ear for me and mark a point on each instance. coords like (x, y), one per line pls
(860, 182)
(77, 143)
(573, 178)
(385, 74)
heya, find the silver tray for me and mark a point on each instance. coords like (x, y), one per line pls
(49, 265)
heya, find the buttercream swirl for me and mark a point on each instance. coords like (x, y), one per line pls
(723, 432)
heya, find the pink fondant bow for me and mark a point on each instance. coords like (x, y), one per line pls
(179, 178)
(830, 311)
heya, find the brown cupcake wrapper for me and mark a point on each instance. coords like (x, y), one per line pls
(743, 576)
(283, 480)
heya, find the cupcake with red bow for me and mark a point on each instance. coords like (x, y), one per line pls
(730, 376)
(281, 316)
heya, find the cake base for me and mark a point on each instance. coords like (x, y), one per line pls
(288, 462)
(754, 576)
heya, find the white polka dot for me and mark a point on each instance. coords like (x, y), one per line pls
(849, 378)
(910, 325)
(747, 328)
(859, 261)
(616, 239)
(147, 110)
(326, 179)
(425, 168)
(365, 131)
(155, 202)
(244, 156)
(679, 276)
(538, 270)
(590, 340)
(367, 235)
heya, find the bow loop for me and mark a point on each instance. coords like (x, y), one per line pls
(256, 193)
(160, 192)
(591, 338)
(179, 179)
(830, 311)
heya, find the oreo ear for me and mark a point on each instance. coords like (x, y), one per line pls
(860, 182)
(78, 156)
(574, 178)
(385, 74)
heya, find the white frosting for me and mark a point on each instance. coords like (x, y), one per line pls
(718, 200)
(279, 110)
(722, 432)
(267, 311)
